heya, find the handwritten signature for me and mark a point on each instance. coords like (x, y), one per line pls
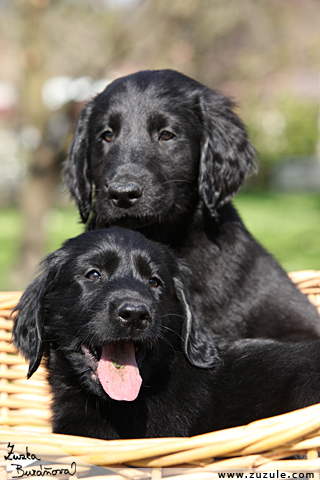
(42, 471)
(37, 470)
(14, 456)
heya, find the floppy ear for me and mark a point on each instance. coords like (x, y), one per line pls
(76, 169)
(226, 153)
(198, 342)
(28, 329)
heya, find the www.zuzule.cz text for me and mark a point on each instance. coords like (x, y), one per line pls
(277, 474)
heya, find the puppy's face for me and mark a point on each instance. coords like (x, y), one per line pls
(143, 151)
(111, 311)
(148, 147)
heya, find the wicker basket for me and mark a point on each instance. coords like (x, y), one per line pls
(264, 445)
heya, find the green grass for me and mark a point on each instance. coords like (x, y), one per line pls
(60, 224)
(10, 231)
(288, 225)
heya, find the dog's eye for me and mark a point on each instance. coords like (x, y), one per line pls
(107, 136)
(154, 282)
(93, 275)
(166, 135)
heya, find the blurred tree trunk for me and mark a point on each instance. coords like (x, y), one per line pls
(41, 180)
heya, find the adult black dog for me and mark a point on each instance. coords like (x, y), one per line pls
(160, 153)
(111, 313)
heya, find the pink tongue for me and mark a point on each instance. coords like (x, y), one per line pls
(118, 371)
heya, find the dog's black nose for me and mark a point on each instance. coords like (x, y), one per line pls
(124, 195)
(135, 316)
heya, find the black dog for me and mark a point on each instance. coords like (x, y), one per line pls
(160, 153)
(111, 313)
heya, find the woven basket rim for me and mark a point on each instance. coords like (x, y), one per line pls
(266, 442)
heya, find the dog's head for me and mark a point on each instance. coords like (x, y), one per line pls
(112, 305)
(150, 144)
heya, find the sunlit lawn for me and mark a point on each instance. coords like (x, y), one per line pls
(288, 225)
(60, 224)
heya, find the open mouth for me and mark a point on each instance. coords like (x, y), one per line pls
(116, 367)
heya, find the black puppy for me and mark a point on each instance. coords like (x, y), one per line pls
(160, 153)
(112, 316)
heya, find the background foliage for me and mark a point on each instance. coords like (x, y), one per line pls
(265, 54)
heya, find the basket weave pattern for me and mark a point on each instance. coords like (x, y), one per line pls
(262, 445)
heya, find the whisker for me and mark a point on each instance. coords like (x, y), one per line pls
(173, 315)
(164, 327)
(175, 181)
(165, 340)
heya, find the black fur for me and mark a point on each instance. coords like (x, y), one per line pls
(73, 308)
(180, 187)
